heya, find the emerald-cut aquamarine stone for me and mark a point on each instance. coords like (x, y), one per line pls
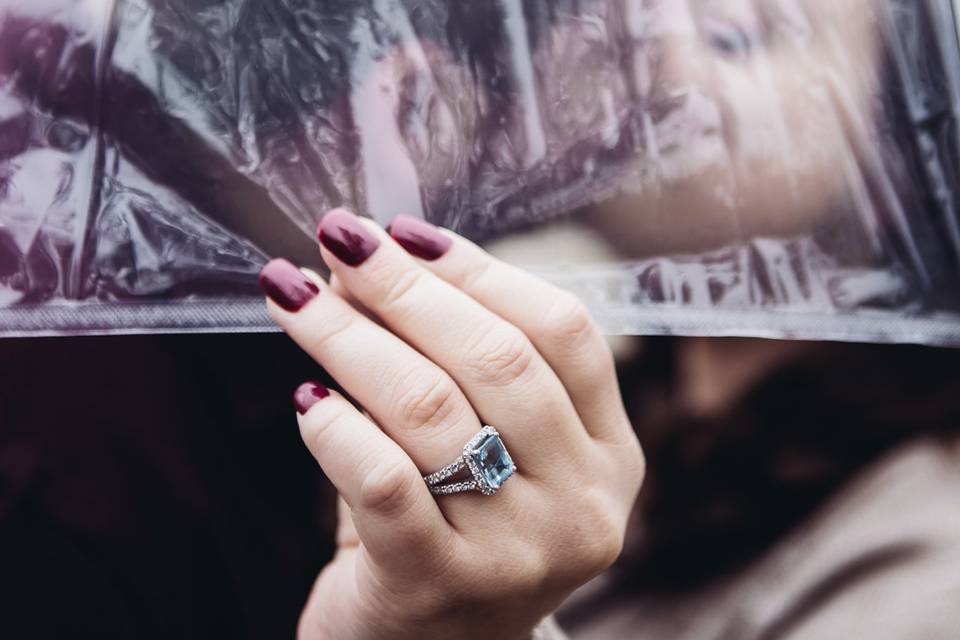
(493, 461)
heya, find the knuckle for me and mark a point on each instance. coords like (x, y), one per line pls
(318, 425)
(605, 541)
(568, 320)
(531, 575)
(450, 577)
(571, 328)
(521, 571)
(433, 554)
(387, 489)
(501, 358)
(331, 330)
(471, 280)
(536, 571)
(594, 542)
(443, 555)
(399, 288)
(609, 546)
(427, 399)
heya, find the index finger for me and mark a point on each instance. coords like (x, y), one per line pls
(499, 370)
(557, 322)
(392, 508)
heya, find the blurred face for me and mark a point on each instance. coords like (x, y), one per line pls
(749, 108)
(746, 110)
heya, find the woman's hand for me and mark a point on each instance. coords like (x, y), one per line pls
(433, 348)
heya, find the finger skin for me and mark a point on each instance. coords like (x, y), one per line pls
(506, 381)
(414, 400)
(388, 500)
(556, 321)
(409, 397)
(346, 531)
(341, 291)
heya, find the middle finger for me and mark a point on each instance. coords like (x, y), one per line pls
(413, 399)
(501, 373)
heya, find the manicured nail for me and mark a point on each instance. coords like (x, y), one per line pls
(344, 236)
(420, 238)
(307, 395)
(286, 286)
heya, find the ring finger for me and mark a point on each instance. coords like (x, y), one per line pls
(413, 400)
(501, 373)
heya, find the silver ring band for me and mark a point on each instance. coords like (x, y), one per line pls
(486, 459)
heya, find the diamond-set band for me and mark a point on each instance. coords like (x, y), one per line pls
(485, 457)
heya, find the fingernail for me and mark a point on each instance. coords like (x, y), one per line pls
(420, 238)
(344, 236)
(286, 286)
(307, 395)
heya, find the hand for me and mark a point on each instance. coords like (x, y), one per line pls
(434, 348)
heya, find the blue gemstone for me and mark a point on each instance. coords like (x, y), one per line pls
(494, 461)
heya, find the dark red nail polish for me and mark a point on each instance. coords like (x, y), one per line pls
(286, 286)
(420, 238)
(344, 236)
(307, 395)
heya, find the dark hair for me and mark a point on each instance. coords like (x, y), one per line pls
(719, 491)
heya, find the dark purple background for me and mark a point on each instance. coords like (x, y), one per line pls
(156, 487)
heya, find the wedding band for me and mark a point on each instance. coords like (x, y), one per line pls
(487, 460)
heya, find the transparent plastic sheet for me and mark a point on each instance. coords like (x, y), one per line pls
(780, 168)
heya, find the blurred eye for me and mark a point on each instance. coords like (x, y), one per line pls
(8, 191)
(730, 40)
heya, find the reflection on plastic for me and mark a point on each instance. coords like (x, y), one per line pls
(782, 168)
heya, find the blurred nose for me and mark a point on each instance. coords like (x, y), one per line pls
(666, 33)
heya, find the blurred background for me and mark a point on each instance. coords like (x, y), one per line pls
(719, 170)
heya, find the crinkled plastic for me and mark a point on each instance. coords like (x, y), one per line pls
(782, 168)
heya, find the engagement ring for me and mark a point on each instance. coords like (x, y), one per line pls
(486, 459)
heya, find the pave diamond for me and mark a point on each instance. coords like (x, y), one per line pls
(493, 461)
(487, 460)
